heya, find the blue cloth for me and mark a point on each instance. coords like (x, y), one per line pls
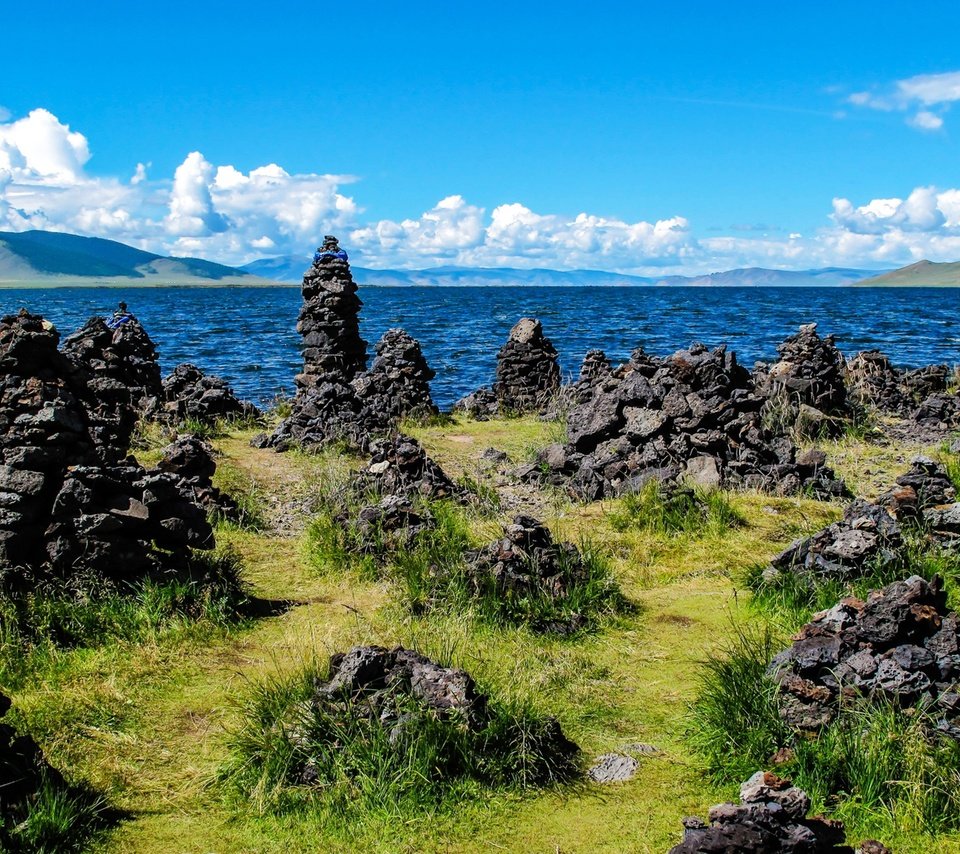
(329, 253)
(118, 320)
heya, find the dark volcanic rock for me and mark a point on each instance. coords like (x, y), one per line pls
(190, 393)
(43, 430)
(336, 399)
(695, 409)
(901, 644)
(480, 405)
(398, 383)
(808, 382)
(527, 562)
(528, 373)
(770, 818)
(66, 509)
(400, 466)
(867, 539)
(192, 459)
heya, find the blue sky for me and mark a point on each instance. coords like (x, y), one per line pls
(629, 136)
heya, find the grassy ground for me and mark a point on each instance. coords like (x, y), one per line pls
(147, 723)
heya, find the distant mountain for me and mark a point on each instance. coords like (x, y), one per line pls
(929, 273)
(291, 268)
(52, 258)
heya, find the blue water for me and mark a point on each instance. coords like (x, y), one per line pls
(247, 335)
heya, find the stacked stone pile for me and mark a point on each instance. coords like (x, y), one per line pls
(399, 687)
(924, 486)
(770, 818)
(594, 368)
(105, 520)
(901, 644)
(481, 405)
(336, 398)
(189, 393)
(118, 377)
(43, 429)
(192, 460)
(867, 539)
(806, 386)
(528, 373)
(398, 382)
(66, 506)
(525, 562)
(400, 466)
(918, 394)
(874, 380)
(696, 411)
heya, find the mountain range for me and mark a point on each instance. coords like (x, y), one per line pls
(52, 258)
(291, 268)
(46, 258)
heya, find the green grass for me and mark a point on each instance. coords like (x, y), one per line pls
(36, 627)
(668, 512)
(56, 819)
(793, 597)
(884, 770)
(331, 754)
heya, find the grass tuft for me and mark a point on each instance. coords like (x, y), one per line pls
(668, 512)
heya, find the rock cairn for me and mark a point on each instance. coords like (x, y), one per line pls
(399, 688)
(695, 410)
(43, 430)
(117, 377)
(528, 372)
(398, 383)
(400, 466)
(68, 508)
(770, 818)
(191, 459)
(807, 383)
(594, 369)
(867, 539)
(526, 562)
(923, 488)
(901, 644)
(189, 393)
(336, 398)
(481, 405)
(919, 394)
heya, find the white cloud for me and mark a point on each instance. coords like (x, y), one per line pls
(220, 212)
(925, 120)
(925, 96)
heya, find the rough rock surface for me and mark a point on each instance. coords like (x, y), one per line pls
(400, 466)
(613, 768)
(696, 408)
(528, 373)
(192, 459)
(770, 818)
(868, 538)
(398, 382)
(808, 382)
(190, 393)
(43, 430)
(872, 379)
(390, 523)
(66, 507)
(118, 379)
(480, 405)
(336, 399)
(526, 561)
(901, 644)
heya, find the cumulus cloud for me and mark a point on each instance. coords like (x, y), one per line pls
(925, 97)
(223, 213)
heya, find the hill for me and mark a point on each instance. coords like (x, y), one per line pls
(291, 268)
(923, 273)
(51, 258)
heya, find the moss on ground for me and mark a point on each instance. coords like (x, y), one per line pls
(147, 722)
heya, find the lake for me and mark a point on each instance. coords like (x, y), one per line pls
(247, 335)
